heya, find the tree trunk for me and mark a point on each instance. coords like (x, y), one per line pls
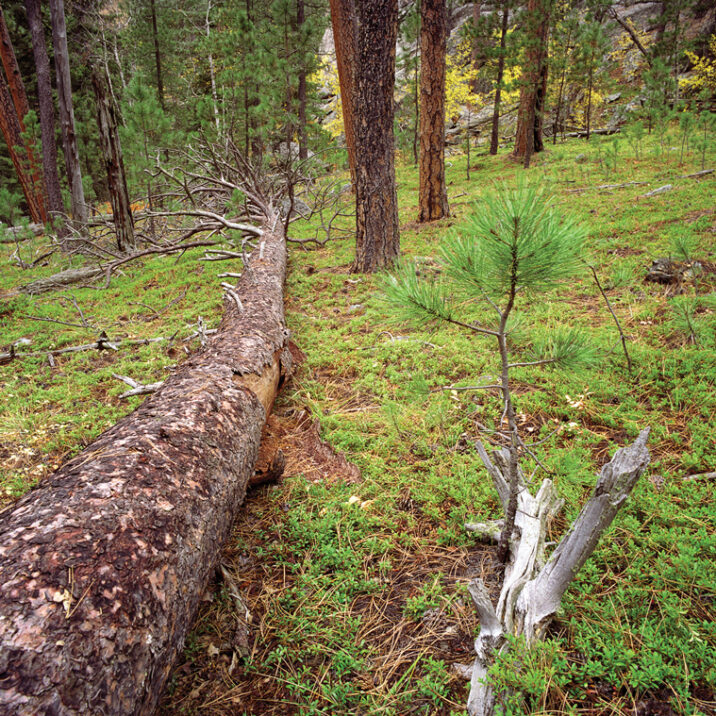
(529, 119)
(157, 54)
(343, 21)
(55, 204)
(103, 565)
(540, 103)
(433, 44)
(377, 233)
(14, 107)
(67, 114)
(114, 164)
(476, 53)
(494, 138)
(302, 134)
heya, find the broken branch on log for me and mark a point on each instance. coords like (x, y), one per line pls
(137, 388)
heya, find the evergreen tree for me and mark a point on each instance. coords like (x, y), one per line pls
(517, 244)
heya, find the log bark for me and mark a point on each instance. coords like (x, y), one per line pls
(103, 565)
(433, 203)
(377, 232)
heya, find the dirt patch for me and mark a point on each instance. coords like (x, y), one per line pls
(297, 435)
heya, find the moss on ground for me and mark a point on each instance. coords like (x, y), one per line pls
(359, 605)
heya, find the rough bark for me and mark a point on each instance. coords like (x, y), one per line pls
(494, 137)
(302, 134)
(103, 565)
(55, 205)
(532, 591)
(377, 233)
(114, 164)
(344, 41)
(157, 54)
(528, 137)
(13, 108)
(432, 199)
(67, 114)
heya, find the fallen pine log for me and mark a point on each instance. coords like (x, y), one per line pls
(11, 234)
(103, 564)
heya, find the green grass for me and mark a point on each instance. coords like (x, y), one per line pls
(362, 609)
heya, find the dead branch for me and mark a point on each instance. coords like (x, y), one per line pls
(137, 388)
(532, 589)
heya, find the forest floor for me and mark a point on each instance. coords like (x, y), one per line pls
(354, 567)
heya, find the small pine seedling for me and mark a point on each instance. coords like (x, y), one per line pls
(515, 244)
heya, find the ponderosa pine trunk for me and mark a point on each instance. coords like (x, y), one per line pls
(103, 565)
(302, 133)
(55, 205)
(377, 232)
(494, 137)
(528, 137)
(13, 107)
(114, 163)
(344, 41)
(157, 54)
(67, 114)
(432, 198)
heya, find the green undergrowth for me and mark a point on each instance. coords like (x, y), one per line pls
(344, 564)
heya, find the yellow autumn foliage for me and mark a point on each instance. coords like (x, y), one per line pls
(704, 71)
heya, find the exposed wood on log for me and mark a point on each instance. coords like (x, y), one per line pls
(103, 565)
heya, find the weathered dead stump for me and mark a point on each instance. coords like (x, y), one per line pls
(103, 565)
(532, 590)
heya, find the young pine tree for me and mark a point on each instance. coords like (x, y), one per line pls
(516, 245)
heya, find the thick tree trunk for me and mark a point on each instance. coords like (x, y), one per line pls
(55, 206)
(103, 565)
(494, 137)
(14, 106)
(114, 164)
(377, 232)
(67, 114)
(529, 122)
(432, 199)
(343, 21)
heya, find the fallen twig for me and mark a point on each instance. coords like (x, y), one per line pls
(660, 190)
(137, 388)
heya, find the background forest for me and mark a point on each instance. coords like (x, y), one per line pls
(142, 155)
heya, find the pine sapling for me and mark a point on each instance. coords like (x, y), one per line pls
(516, 244)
